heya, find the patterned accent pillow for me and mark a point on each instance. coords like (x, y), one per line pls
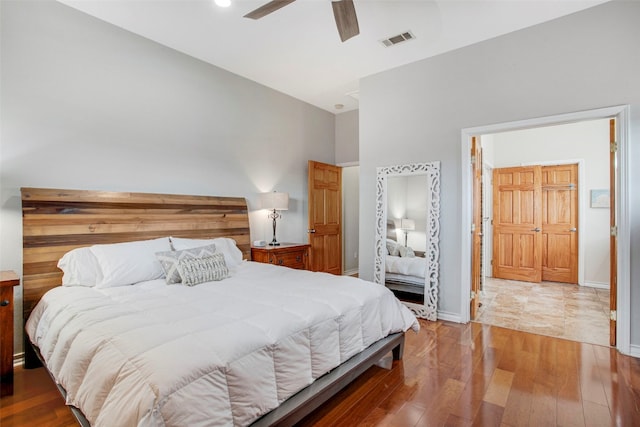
(206, 269)
(406, 251)
(170, 260)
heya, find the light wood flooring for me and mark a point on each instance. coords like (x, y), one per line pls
(451, 375)
(560, 310)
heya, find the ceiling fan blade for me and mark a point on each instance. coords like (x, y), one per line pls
(267, 8)
(346, 20)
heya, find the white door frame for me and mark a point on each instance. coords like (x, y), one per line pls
(621, 114)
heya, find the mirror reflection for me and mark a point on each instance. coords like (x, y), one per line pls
(407, 234)
(405, 263)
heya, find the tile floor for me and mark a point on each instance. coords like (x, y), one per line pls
(560, 310)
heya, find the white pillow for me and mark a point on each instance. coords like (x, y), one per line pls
(80, 268)
(232, 255)
(392, 248)
(130, 262)
(406, 251)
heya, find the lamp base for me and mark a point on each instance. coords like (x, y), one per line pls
(274, 215)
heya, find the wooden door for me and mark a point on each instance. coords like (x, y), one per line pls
(476, 226)
(613, 256)
(325, 217)
(560, 223)
(517, 223)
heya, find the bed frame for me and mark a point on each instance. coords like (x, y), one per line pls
(57, 221)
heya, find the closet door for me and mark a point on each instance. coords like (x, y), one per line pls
(517, 223)
(560, 223)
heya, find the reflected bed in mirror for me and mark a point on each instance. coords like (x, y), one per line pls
(405, 266)
(407, 234)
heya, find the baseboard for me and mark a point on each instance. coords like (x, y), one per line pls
(451, 317)
(18, 359)
(596, 285)
(634, 350)
(350, 272)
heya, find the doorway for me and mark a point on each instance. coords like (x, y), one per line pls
(350, 218)
(621, 204)
(536, 189)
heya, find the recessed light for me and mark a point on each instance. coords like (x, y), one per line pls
(223, 3)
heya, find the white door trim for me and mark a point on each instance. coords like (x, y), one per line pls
(621, 114)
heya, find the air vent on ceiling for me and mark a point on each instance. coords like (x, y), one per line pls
(400, 38)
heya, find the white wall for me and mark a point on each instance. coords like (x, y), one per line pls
(347, 137)
(407, 197)
(580, 62)
(396, 198)
(350, 218)
(86, 105)
(588, 141)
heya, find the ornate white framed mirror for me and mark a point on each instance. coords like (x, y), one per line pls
(407, 247)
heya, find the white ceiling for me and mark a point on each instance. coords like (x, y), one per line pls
(296, 50)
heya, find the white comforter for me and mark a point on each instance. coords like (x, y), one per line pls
(409, 266)
(219, 353)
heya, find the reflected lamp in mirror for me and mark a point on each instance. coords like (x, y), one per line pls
(407, 225)
(274, 202)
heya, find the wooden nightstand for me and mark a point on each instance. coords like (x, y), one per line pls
(8, 279)
(294, 255)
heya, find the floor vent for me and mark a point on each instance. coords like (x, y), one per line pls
(400, 38)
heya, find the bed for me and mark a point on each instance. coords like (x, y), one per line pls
(405, 268)
(265, 345)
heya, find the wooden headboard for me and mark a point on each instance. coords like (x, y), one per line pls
(391, 230)
(56, 221)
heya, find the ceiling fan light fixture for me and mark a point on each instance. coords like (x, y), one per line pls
(344, 13)
(346, 19)
(267, 8)
(222, 3)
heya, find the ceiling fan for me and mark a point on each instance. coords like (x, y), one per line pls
(344, 13)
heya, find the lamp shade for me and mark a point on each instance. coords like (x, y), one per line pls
(407, 224)
(274, 200)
